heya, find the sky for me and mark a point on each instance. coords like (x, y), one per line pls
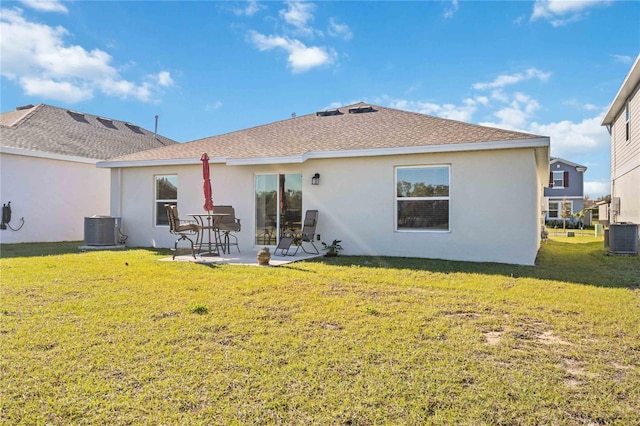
(205, 68)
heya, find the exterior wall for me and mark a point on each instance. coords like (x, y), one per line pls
(494, 204)
(576, 182)
(53, 196)
(573, 193)
(627, 187)
(577, 204)
(603, 213)
(625, 162)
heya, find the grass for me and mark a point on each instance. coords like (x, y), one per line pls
(120, 338)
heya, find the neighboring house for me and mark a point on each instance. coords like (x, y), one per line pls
(48, 169)
(566, 185)
(385, 182)
(622, 120)
(603, 212)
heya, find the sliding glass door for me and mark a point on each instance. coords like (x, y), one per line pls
(278, 206)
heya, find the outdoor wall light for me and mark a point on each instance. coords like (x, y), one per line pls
(315, 179)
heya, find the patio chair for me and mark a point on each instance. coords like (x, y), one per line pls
(226, 225)
(307, 235)
(181, 228)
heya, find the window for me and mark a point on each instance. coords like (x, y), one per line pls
(626, 118)
(422, 198)
(562, 210)
(166, 193)
(558, 179)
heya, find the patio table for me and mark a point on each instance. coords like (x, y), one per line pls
(208, 229)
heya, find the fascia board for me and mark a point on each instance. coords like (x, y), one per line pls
(153, 163)
(47, 155)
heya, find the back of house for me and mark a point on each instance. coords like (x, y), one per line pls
(385, 182)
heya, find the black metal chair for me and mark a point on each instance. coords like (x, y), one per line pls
(184, 230)
(307, 235)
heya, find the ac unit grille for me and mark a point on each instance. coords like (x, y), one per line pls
(623, 238)
(100, 231)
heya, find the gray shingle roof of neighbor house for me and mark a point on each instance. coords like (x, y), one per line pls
(53, 130)
(567, 162)
(356, 129)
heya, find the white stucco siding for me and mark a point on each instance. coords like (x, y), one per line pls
(494, 204)
(53, 196)
(494, 211)
(136, 202)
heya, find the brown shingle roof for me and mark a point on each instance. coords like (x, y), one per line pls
(49, 129)
(380, 129)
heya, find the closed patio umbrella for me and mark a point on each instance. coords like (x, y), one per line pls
(206, 186)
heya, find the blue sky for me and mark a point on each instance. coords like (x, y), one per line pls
(205, 68)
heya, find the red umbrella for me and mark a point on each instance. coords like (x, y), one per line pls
(206, 186)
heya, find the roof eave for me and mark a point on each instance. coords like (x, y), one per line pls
(630, 82)
(47, 155)
(539, 142)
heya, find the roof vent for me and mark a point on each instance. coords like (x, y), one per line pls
(134, 128)
(107, 123)
(20, 108)
(328, 112)
(361, 109)
(79, 117)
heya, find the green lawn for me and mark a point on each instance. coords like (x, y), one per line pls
(120, 338)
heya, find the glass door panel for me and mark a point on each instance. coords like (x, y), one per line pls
(290, 189)
(278, 206)
(266, 209)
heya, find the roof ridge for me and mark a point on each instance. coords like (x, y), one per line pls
(29, 112)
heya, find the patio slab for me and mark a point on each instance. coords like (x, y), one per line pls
(246, 257)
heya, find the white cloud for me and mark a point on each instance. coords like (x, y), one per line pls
(55, 90)
(569, 138)
(562, 12)
(339, 30)
(299, 14)
(623, 59)
(462, 112)
(163, 78)
(45, 5)
(507, 80)
(580, 106)
(450, 11)
(597, 189)
(517, 113)
(214, 106)
(36, 57)
(301, 58)
(250, 9)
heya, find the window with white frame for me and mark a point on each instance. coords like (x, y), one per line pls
(558, 179)
(166, 192)
(422, 198)
(562, 210)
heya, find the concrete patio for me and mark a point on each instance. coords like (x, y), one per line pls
(246, 257)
